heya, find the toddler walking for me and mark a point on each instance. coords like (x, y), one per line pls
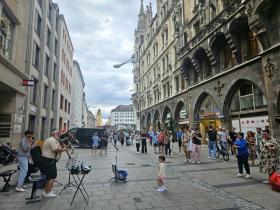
(161, 174)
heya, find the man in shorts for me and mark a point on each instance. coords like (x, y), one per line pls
(51, 153)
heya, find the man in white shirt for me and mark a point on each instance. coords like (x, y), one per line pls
(51, 153)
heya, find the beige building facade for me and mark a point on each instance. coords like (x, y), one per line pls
(65, 66)
(14, 19)
(228, 54)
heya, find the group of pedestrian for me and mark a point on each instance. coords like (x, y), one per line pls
(100, 143)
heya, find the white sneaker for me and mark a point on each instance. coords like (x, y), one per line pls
(265, 181)
(159, 189)
(209, 158)
(24, 186)
(239, 175)
(186, 160)
(49, 195)
(197, 162)
(20, 189)
(193, 162)
(248, 176)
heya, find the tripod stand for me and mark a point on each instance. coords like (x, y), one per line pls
(68, 166)
(115, 170)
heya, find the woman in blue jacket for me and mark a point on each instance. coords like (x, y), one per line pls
(242, 155)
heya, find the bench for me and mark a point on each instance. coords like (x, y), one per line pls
(7, 178)
(38, 183)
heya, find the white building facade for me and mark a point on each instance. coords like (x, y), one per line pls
(123, 115)
(77, 97)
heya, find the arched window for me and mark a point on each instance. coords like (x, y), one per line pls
(243, 39)
(248, 97)
(203, 63)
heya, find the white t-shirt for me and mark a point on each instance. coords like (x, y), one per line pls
(162, 170)
(49, 146)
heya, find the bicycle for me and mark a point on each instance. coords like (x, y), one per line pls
(221, 150)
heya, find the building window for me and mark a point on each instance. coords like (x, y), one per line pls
(65, 105)
(53, 99)
(60, 123)
(38, 24)
(55, 47)
(177, 84)
(45, 96)
(31, 122)
(43, 125)
(61, 102)
(48, 38)
(69, 105)
(33, 91)
(54, 71)
(52, 125)
(248, 97)
(5, 125)
(36, 56)
(46, 72)
(253, 44)
(6, 36)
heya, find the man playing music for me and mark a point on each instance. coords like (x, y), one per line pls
(51, 153)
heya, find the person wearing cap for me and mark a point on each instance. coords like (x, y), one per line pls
(51, 153)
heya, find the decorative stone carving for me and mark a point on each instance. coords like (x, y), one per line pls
(213, 25)
(269, 68)
(219, 88)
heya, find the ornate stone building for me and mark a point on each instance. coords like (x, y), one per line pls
(228, 53)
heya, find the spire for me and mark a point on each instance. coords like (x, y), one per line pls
(142, 9)
(141, 18)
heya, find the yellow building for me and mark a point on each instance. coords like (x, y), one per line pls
(99, 118)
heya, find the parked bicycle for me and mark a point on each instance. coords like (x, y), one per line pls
(222, 150)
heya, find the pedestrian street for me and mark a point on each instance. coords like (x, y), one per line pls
(211, 184)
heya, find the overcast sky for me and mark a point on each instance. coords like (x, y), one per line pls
(102, 32)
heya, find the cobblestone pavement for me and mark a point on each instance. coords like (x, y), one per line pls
(209, 185)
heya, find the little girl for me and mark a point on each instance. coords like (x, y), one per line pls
(161, 174)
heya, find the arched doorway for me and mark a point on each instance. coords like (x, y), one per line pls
(156, 120)
(181, 117)
(246, 106)
(207, 113)
(143, 125)
(149, 121)
(167, 119)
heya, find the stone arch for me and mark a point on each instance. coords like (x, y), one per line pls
(178, 109)
(200, 100)
(266, 22)
(149, 120)
(203, 63)
(222, 52)
(156, 119)
(166, 116)
(143, 123)
(243, 39)
(232, 90)
(189, 72)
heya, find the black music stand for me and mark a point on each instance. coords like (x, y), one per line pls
(79, 186)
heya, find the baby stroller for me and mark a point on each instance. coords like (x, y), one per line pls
(7, 154)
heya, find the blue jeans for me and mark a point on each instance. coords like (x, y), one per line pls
(212, 148)
(23, 168)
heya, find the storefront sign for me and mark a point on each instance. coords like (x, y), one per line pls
(250, 123)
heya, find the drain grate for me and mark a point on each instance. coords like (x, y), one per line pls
(130, 164)
(146, 165)
(137, 200)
